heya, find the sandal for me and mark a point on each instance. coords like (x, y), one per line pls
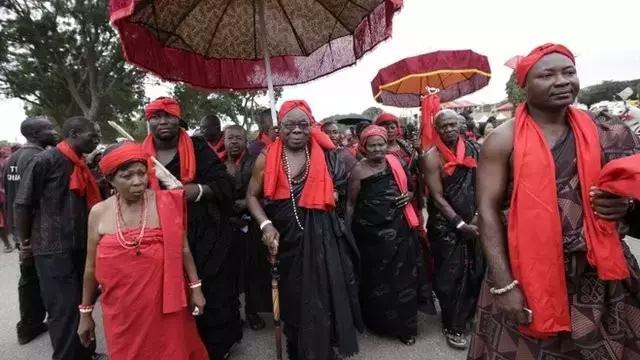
(8, 249)
(407, 340)
(255, 322)
(456, 340)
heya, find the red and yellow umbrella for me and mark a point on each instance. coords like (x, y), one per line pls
(454, 72)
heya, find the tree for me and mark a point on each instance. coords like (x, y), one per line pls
(233, 106)
(515, 94)
(62, 58)
(372, 113)
(606, 90)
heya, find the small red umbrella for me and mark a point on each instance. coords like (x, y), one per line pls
(454, 72)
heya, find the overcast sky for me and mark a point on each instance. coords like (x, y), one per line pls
(604, 36)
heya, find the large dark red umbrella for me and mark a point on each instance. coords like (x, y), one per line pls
(219, 44)
(454, 72)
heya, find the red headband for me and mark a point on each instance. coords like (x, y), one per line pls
(369, 131)
(126, 153)
(295, 104)
(168, 105)
(525, 64)
(386, 117)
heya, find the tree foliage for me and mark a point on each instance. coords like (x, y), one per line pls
(607, 90)
(372, 113)
(232, 106)
(62, 58)
(515, 94)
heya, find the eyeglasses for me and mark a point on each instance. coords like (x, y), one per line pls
(292, 125)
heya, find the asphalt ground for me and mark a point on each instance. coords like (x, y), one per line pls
(259, 345)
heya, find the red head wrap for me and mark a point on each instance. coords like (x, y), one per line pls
(525, 64)
(386, 117)
(168, 105)
(125, 153)
(318, 191)
(369, 131)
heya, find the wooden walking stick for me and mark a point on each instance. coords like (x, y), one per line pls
(275, 294)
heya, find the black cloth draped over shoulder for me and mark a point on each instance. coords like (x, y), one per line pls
(318, 285)
(390, 255)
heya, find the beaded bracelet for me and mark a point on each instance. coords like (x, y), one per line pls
(505, 289)
(85, 309)
(195, 284)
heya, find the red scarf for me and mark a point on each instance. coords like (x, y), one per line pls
(318, 190)
(451, 160)
(185, 151)
(82, 179)
(401, 180)
(219, 148)
(537, 257)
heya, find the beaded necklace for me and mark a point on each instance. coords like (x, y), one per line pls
(120, 225)
(292, 182)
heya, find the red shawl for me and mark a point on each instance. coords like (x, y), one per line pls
(401, 180)
(452, 160)
(185, 151)
(82, 179)
(318, 190)
(537, 257)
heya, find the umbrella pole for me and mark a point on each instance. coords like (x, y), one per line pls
(267, 62)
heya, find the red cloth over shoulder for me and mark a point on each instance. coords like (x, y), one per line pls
(537, 257)
(82, 179)
(186, 153)
(318, 192)
(400, 177)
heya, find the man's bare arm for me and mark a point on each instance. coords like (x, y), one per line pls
(254, 191)
(432, 166)
(353, 190)
(491, 188)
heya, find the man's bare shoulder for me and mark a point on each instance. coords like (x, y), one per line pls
(500, 141)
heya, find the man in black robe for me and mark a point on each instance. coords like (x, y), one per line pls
(209, 192)
(256, 270)
(297, 178)
(456, 249)
(40, 133)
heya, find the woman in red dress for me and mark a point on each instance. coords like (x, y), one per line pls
(138, 253)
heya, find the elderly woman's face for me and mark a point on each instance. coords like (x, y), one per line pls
(294, 129)
(130, 181)
(376, 147)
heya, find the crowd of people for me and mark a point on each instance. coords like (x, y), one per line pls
(516, 230)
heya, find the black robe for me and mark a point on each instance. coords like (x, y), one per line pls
(256, 269)
(318, 287)
(210, 241)
(458, 263)
(390, 255)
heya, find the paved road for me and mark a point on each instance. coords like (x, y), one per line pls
(255, 346)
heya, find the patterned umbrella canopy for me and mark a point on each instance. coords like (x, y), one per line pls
(455, 73)
(218, 44)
